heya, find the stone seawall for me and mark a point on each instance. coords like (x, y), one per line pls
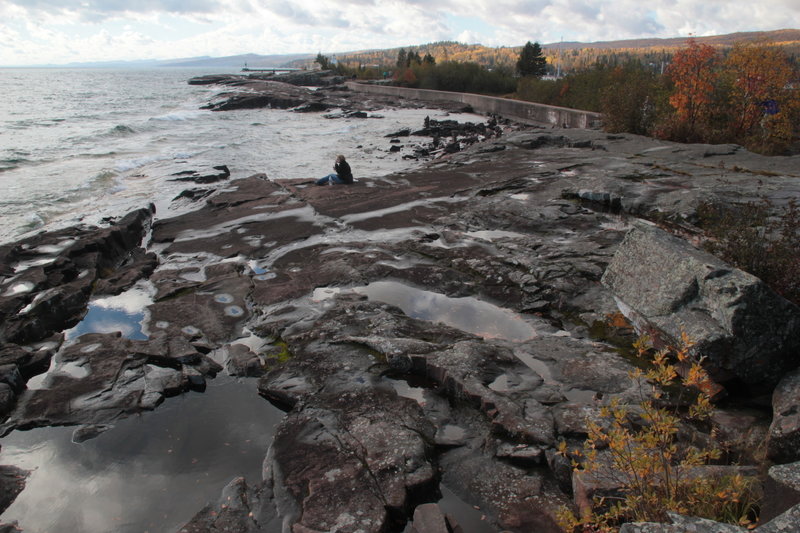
(526, 112)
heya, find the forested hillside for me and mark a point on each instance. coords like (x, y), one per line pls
(568, 56)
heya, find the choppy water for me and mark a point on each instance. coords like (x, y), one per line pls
(82, 144)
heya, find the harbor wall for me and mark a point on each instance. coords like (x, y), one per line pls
(525, 112)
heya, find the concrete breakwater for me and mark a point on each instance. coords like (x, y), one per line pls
(525, 112)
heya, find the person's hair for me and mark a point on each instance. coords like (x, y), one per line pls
(340, 158)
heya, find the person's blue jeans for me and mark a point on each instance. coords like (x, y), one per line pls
(332, 178)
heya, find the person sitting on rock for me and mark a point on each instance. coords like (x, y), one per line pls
(343, 174)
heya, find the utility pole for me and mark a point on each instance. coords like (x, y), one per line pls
(558, 65)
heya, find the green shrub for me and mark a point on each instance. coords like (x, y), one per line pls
(461, 77)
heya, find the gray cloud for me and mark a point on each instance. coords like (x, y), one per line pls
(101, 9)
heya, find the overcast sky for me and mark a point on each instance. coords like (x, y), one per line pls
(61, 31)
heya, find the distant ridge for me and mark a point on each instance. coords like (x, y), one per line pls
(776, 36)
(238, 61)
(228, 62)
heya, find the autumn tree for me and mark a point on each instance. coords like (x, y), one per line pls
(694, 75)
(761, 102)
(531, 61)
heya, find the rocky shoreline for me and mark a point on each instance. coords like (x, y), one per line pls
(449, 325)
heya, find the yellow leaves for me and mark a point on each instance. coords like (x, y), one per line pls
(638, 447)
(642, 344)
(561, 449)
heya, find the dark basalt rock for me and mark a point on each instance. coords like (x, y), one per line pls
(122, 377)
(311, 107)
(12, 482)
(783, 444)
(341, 464)
(57, 273)
(240, 509)
(254, 102)
(214, 79)
(196, 177)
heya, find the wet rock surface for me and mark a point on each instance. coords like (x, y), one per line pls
(446, 325)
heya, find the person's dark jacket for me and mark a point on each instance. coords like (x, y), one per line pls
(343, 171)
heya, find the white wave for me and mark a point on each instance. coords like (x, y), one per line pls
(129, 164)
(186, 114)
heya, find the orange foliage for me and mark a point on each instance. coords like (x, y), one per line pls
(761, 73)
(694, 75)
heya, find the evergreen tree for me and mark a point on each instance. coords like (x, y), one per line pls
(531, 61)
(428, 59)
(402, 58)
(324, 62)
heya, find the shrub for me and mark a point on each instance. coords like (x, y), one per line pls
(464, 77)
(753, 238)
(637, 449)
(633, 100)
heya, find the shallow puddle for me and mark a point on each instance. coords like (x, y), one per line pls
(124, 313)
(491, 235)
(433, 203)
(470, 519)
(151, 472)
(467, 314)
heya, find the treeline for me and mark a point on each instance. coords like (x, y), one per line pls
(443, 51)
(749, 95)
(458, 77)
(567, 58)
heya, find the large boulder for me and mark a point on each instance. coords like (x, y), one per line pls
(783, 444)
(743, 329)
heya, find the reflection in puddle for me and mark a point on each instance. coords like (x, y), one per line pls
(20, 288)
(124, 313)
(325, 293)
(148, 473)
(537, 365)
(407, 390)
(467, 314)
(74, 369)
(470, 519)
(25, 265)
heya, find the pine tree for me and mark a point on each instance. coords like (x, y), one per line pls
(324, 62)
(531, 61)
(402, 58)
